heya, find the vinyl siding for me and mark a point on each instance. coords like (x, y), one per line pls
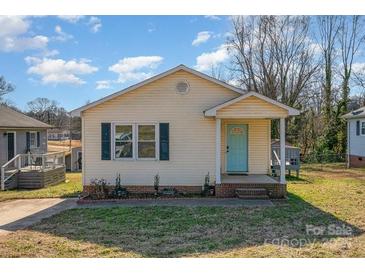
(252, 107)
(356, 143)
(192, 136)
(21, 143)
(259, 140)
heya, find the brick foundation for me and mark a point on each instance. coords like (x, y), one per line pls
(275, 191)
(357, 161)
(134, 189)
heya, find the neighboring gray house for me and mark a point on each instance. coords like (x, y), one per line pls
(356, 137)
(20, 133)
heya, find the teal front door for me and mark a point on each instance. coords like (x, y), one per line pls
(237, 148)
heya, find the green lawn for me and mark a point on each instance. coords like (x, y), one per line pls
(71, 188)
(325, 195)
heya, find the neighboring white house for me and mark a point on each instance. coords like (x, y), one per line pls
(57, 134)
(356, 137)
(183, 124)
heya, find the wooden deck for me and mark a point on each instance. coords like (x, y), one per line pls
(34, 177)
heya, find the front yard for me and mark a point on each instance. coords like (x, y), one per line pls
(329, 198)
(71, 188)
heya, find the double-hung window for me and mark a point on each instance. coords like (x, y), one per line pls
(363, 128)
(135, 141)
(123, 141)
(33, 139)
(146, 142)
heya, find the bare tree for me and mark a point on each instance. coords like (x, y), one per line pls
(272, 56)
(5, 87)
(351, 37)
(48, 111)
(328, 31)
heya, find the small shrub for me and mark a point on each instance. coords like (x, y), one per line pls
(100, 190)
(119, 191)
(156, 183)
(206, 186)
(169, 191)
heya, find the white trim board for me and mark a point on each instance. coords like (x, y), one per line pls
(213, 111)
(76, 112)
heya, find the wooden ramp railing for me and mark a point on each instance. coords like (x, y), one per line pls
(30, 161)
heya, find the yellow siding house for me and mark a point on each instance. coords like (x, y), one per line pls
(182, 125)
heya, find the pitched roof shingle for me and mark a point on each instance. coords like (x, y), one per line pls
(10, 118)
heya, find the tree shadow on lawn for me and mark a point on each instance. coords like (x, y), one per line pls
(297, 180)
(187, 231)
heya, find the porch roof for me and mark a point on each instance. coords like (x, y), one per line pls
(251, 105)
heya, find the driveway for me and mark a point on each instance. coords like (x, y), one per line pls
(19, 214)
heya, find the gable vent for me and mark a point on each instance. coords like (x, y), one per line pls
(182, 87)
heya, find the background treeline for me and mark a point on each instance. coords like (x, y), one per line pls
(309, 63)
(312, 63)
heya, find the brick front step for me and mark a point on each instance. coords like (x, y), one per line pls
(274, 190)
(251, 193)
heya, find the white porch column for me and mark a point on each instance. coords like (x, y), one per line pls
(282, 151)
(217, 150)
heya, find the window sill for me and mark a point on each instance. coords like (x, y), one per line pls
(135, 159)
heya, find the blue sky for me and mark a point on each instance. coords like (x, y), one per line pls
(77, 59)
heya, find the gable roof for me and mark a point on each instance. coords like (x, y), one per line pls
(10, 118)
(213, 111)
(77, 111)
(357, 113)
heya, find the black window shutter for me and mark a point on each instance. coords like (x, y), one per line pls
(164, 142)
(38, 139)
(28, 140)
(105, 141)
(357, 128)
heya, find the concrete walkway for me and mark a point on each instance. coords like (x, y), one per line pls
(19, 214)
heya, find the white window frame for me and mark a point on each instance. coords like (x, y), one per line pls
(361, 126)
(35, 139)
(157, 140)
(133, 141)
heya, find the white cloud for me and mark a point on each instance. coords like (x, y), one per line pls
(56, 71)
(71, 18)
(151, 27)
(94, 23)
(234, 82)
(212, 17)
(103, 84)
(358, 67)
(202, 37)
(13, 35)
(50, 53)
(13, 25)
(315, 48)
(135, 68)
(61, 35)
(208, 60)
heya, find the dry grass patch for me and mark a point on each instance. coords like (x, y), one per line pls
(318, 199)
(72, 187)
